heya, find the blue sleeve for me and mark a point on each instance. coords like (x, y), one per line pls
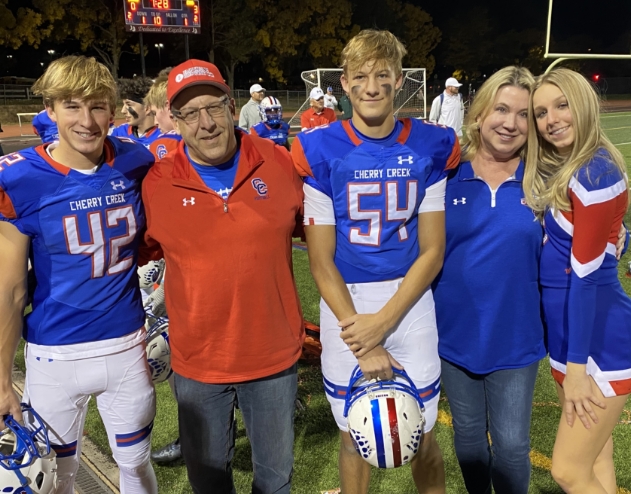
(581, 316)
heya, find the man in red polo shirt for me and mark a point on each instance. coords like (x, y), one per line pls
(317, 115)
(221, 210)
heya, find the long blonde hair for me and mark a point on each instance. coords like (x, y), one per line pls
(483, 104)
(548, 174)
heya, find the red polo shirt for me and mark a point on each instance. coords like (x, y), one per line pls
(231, 297)
(310, 119)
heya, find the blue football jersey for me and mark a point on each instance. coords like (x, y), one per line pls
(125, 130)
(85, 231)
(45, 128)
(376, 188)
(277, 134)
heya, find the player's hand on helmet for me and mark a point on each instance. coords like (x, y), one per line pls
(622, 237)
(9, 405)
(156, 302)
(580, 396)
(363, 332)
(378, 364)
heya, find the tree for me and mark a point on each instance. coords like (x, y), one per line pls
(231, 35)
(96, 24)
(28, 25)
(291, 30)
(414, 27)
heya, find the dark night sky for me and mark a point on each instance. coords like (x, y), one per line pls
(579, 24)
(604, 21)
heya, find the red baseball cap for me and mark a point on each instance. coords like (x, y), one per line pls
(194, 73)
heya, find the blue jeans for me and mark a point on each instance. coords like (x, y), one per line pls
(498, 404)
(208, 429)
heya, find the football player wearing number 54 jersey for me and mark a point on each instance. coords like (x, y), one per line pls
(375, 225)
(76, 204)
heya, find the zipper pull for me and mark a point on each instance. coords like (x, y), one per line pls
(225, 207)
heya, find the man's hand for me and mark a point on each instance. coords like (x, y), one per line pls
(378, 364)
(9, 405)
(363, 332)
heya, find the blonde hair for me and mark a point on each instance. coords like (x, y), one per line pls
(483, 105)
(371, 45)
(548, 174)
(76, 77)
(157, 95)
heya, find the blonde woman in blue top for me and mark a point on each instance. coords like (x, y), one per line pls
(487, 296)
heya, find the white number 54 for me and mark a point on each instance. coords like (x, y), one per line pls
(375, 216)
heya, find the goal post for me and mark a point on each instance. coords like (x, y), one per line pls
(560, 57)
(409, 101)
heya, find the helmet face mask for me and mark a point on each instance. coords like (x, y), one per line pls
(271, 110)
(158, 347)
(28, 464)
(151, 273)
(385, 419)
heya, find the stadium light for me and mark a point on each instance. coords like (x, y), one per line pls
(159, 46)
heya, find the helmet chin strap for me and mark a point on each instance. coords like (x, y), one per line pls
(24, 482)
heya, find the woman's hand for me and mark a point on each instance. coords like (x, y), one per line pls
(580, 396)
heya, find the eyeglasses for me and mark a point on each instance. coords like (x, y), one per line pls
(191, 115)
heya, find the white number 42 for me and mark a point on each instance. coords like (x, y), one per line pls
(96, 247)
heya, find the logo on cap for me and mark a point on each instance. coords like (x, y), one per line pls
(194, 71)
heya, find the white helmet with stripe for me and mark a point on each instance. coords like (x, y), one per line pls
(271, 110)
(158, 347)
(385, 419)
(151, 273)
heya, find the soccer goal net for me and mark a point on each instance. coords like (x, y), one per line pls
(408, 102)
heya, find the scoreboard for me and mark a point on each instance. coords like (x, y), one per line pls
(162, 16)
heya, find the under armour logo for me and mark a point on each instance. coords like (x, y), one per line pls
(409, 160)
(461, 201)
(190, 201)
(115, 185)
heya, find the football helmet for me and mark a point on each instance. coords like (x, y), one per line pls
(158, 348)
(151, 273)
(28, 464)
(385, 418)
(271, 110)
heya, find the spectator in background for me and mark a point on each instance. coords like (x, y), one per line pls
(139, 123)
(344, 105)
(44, 127)
(448, 108)
(317, 115)
(156, 100)
(329, 100)
(272, 127)
(250, 115)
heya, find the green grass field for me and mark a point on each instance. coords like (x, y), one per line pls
(316, 433)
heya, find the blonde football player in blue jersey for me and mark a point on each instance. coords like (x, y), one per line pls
(375, 226)
(76, 204)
